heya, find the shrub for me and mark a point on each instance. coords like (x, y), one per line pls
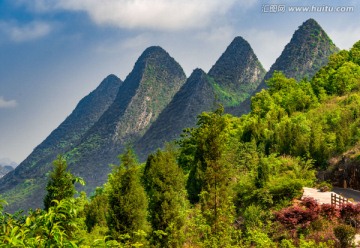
(349, 213)
(329, 211)
(311, 204)
(296, 217)
(345, 235)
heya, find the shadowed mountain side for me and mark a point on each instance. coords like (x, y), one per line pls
(196, 96)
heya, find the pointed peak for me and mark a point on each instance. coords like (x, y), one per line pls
(110, 81)
(311, 27)
(307, 51)
(239, 41)
(112, 77)
(310, 22)
(197, 72)
(153, 50)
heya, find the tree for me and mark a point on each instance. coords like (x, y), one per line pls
(127, 199)
(165, 185)
(95, 211)
(61, 183)
(211, 178)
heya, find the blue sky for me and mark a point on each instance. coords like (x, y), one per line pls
(54, 52)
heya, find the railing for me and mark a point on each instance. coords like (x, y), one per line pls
(338, 200)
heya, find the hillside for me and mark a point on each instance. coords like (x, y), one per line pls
(195, 96)
(146, 91)
(156, 102)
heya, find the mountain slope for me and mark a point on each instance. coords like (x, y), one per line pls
(237, 72)
(61, 140)
(196, 95)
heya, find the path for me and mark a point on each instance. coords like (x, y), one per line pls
(348, 193)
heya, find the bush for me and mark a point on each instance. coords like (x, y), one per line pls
(329, 211)
(350, 213)
(345, 235)
(296, 217)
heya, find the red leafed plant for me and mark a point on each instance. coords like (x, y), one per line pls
(329, 211)
(296, 217)
(311, 204)
(350, 213)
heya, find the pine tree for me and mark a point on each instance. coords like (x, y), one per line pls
(127, 199)
(61, 183)
(165, 185)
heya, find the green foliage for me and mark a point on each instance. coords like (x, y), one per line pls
(127, 199)
(165, 185)
(53, 228)
(61, 183)
(95, 211)
(204, 150)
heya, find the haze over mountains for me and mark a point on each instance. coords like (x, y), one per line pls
(152, 106)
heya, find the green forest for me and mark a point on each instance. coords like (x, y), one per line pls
(228, 182)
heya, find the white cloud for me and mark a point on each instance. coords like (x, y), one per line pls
(7, 103)
(344, 38)
(154, 14)
(25, 32)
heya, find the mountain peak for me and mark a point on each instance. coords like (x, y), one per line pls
(239, 41)
(238, 70)
(153, 51)
(310, 22)
(197, 72)
(307, 51)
